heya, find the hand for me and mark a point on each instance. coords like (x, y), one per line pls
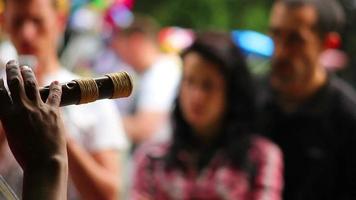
(34, 129)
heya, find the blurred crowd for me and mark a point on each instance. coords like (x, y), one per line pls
(213, 114)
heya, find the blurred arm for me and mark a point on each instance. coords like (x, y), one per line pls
(141, 126)
(96, 174)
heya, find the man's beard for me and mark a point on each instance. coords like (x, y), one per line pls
(289, 77)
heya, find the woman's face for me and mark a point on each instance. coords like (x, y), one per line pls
(202, 95)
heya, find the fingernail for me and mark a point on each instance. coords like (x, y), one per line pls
(56, 82)
(26, 67)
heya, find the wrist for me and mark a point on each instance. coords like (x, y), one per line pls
(51, 165)
(47, 180)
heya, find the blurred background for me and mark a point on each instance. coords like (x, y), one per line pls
(96, 18)
(248, 15)
(87, 45)
(91, 23)
(230, 15)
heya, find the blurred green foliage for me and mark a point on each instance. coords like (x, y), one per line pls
(208, 14)
(229, 15)
(212, 15)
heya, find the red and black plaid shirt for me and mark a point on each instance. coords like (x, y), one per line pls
(218, 180)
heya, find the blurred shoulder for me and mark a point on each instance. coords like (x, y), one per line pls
(264, 149)
(169, 65)
(343, 89)
(344, 97)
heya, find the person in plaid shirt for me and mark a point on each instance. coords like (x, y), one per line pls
(212, 154)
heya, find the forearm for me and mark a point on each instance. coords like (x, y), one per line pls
(142, 126)
(91, 178)
(135, 130)
(47, 180)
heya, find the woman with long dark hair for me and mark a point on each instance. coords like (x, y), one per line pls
(212, 154)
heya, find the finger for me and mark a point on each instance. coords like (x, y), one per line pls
(30, 84)
(5, 102)
(55, 94)
(15, 83)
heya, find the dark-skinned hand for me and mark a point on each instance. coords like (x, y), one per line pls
(35, 133)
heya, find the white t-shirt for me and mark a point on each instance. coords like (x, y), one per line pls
(7, 53)
(96, 126)
(156, 89)
(157, 86)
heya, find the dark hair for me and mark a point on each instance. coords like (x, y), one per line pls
(331, 16)
(142, 24)
(233, 138)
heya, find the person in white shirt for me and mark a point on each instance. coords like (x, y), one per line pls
(95, 137)
(156, 83)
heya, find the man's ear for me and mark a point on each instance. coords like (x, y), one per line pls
(332, 40)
